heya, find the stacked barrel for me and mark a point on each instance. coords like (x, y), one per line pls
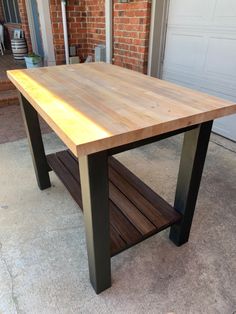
(19, 48)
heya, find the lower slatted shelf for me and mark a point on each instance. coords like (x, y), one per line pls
(136, 211)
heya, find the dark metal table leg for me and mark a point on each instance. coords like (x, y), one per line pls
(95, 193)
(190, 172)
(33, 131)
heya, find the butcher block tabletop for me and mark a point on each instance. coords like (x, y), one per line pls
(97, 106)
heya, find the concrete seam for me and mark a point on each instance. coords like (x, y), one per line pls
(230, 150)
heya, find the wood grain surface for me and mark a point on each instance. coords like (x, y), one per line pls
(97, 106)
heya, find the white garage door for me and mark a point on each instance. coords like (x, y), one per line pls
(201, 51)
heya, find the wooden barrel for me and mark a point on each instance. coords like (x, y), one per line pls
(19, 48)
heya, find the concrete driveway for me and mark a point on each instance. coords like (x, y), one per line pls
(43, 262)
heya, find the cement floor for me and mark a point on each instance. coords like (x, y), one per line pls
(12, 126)
(43, 261)
(7, 62)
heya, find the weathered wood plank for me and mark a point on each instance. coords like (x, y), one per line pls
(130, 211)
(130, 220)
(123, 226)
(153, 198)
(137, 199)
(65, 176)
(71, 163)
(117, 243)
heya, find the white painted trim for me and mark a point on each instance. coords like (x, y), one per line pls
(65, 30)
(157, 37)
(109, 39)
(31, 26)
(46, 30)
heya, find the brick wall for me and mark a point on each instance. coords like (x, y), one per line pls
(131, 23)
(131, 34)
(24, 23)
(86, 27)
(76, 17)
(95, 11)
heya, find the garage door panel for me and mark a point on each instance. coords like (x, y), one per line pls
(225, 13)
(219, 127)
(219, 87)
(183, 78)
(191, 11)
(217, 90)
(182, 50)
(221, 57)
(201, 51)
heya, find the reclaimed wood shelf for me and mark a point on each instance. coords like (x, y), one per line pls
(136, 211)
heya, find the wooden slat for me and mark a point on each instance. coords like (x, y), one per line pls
(130, 222)
(71, 163)
(123, 226)
(117, 243)
(65, 176)
(137, 199)
(130, 211)
(155, 199)
(98, 106)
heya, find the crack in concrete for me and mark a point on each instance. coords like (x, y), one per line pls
(13, 296)
(63, 229)
(221, 145)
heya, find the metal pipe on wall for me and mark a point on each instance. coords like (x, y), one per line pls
(64, 21)
(109, 39)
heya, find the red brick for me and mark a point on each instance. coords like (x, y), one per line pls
(86, 23)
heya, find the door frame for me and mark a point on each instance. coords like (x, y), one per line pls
(157, 38)
(46, 30)
(31, 26)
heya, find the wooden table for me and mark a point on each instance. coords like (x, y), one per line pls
(99, 110)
